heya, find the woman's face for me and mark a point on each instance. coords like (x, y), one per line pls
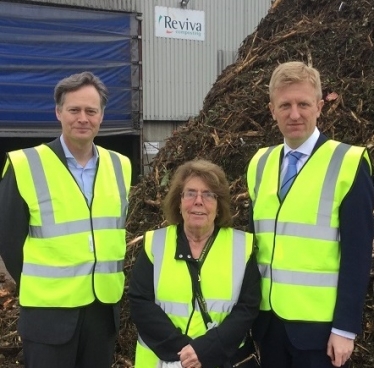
(198, 206)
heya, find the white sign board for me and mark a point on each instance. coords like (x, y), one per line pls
(179, 23)
(151, 148)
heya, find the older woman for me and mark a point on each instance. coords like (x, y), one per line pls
(195, 287)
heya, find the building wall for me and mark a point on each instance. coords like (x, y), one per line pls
(116, 5)
(177, 74)
(155, 134)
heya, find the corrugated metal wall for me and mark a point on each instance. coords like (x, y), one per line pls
(120, 5)
(177, 74)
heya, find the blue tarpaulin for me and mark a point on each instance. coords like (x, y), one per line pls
(39, 45)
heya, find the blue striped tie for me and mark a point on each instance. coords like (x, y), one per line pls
(291, 172)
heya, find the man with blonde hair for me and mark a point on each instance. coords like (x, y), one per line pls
(312, 202)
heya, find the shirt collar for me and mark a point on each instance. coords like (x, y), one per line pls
(307, 147)
(69, 155)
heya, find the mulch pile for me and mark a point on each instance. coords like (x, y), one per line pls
(336, 37)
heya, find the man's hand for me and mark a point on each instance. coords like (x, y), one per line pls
(339, 349)
(189, 358)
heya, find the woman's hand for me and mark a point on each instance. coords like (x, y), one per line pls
(189, 358)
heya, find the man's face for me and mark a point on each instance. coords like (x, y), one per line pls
(80, 116)
(295, 108)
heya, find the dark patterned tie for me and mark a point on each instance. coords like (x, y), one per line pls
(291, 172)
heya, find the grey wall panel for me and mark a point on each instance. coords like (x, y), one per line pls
(177, 74)
(119, 5)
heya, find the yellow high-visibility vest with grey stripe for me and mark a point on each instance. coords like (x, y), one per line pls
(173, 288)
(73, 252)
(298, 240)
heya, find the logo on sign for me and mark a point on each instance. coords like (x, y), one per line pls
(179, 23)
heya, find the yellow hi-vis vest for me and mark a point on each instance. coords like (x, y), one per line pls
(73, 253)
(298, 240)
(174, 298)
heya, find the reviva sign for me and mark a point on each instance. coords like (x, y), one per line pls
(179, 23)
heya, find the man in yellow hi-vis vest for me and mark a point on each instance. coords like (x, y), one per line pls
(312, 202)
(62, 235)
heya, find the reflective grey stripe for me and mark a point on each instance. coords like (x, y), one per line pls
(324, 279)
(144, 345)
(322, 229)
(260, 170)
(328, 189)
(214, 305)
(31, 269)
(220, 306)
(121, 184)
(239, 264)
(158, 249)
(181, 309)
(141, 342)
(52, 229)
(75, 227)
(109, 266)
(41, 186)
(296, 229)
(177, 309)
(264, 270)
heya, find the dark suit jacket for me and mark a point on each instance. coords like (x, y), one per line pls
(45, 325)
(356, 232)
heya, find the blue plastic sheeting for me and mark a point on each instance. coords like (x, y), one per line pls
(40, 45)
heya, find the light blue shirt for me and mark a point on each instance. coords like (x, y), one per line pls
(84, 176)
(306, 149)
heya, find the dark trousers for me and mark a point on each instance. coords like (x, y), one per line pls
(277, 351)
(92, 345)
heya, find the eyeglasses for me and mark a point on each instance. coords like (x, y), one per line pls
(192, 194)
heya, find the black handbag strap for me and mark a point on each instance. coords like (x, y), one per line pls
(194, 269)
